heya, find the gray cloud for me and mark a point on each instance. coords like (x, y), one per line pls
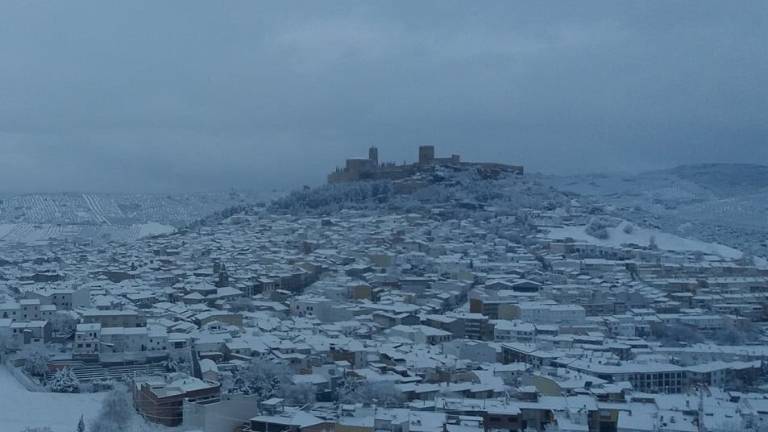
(191, 95)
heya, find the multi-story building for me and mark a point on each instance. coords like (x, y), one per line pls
(87, 341)
(161, 399)
(548, 313)
(114, 318)
(124, 339)
(63, 299)
(645, 377)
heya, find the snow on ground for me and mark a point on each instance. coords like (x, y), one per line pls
(154, 228)
(5, 229)
(642, 236)
(43, 233)
(20, 408)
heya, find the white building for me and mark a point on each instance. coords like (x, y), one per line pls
(549, 313)
(420, 334)
(513, 331)
(87, 340)
(124, 339)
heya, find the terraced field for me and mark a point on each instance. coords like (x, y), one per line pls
(40, 218)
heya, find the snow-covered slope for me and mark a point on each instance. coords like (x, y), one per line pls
(153, 229)
(20, 408)
(642, 236)
(5, 229)
(721, 203)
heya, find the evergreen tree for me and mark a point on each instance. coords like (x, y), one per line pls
(65, 381)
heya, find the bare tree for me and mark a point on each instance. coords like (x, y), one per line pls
(299, 394)
(268, 379)
(384, 393)
(64, 324)
(116, 412)
(675, 334)
(35, 362)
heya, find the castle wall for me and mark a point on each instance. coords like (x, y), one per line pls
(370, 169)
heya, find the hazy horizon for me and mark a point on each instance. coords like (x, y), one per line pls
(320, 181)
(198, 96)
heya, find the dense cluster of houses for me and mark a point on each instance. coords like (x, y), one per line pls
(474, 325)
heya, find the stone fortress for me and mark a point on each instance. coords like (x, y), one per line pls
(360, 169)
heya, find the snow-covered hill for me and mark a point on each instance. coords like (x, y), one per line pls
(445, 187)
(39, 218)
(722, 203)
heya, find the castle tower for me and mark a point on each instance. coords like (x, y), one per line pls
(426, 154)
(373, 155)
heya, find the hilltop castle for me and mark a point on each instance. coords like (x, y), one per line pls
(358, 169)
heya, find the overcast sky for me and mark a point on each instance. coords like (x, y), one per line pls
(203, 95)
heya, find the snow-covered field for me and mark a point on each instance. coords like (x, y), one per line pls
(5, 229)
(154, 228)
(121, 209)
(642, 237)
(20, 408)
(41, 233)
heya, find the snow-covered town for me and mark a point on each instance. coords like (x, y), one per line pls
(383, 216)
(438, 301)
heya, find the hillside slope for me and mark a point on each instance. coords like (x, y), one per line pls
(724, 203)
(448, 188)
